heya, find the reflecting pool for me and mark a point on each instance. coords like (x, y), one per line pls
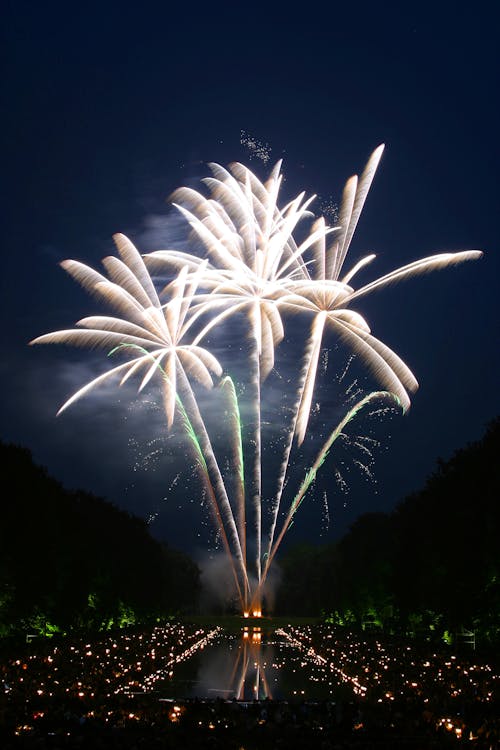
(318, 676)
(251, 665)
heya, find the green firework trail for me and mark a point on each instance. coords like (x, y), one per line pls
(227, 384)
(323, 454)
(192, 435)
(312, 472)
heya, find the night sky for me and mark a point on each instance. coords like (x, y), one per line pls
(108, 108)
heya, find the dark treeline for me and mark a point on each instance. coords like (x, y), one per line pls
(431, 567)
(72, 560)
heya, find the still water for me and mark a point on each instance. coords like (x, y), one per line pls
(247, 666)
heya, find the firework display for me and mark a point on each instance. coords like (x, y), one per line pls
(261, 262)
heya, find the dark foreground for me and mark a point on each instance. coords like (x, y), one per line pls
(253, 726)
(110, 693)
(246, 726)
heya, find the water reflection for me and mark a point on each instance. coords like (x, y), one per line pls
(322, 680)
(242, 668)
(251, 664)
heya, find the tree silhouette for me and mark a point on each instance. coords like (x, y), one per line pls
(70, 559)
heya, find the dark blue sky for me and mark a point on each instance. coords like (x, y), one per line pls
(108, 108)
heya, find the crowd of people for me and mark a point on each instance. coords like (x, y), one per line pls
(109, 692)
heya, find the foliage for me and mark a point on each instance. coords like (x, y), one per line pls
(431, 568)
(72, 560)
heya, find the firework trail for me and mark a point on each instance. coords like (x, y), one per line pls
(324, 361)
(364, 469)
(234, 420)
(340, 481)
(346, 368)
(311, 474)
(326, 510)
(362, 448)
(208, 466)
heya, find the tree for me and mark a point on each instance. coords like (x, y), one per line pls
(70, 559)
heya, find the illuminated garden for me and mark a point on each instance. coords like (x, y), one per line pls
(310, 683)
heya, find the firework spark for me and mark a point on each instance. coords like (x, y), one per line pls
(255, 147)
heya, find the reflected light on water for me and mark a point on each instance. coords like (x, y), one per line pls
(174, 674)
